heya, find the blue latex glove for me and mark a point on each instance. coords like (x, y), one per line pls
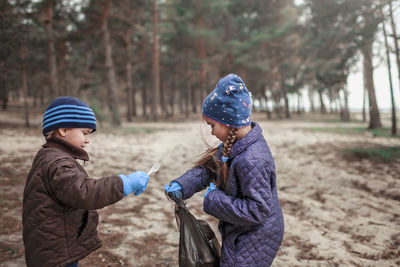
(175, 189)
(209, 189)
(135, 182)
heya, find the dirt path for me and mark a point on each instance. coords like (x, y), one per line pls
(338, 212)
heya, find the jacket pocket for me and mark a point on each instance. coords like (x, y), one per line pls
(88, 229)
(83, 223)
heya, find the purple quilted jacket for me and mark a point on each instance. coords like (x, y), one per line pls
(250, 215)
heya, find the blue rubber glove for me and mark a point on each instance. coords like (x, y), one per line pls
(135, 182)
(209, 189)
(175, 189)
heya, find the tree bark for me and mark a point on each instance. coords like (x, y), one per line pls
(63, 81)
(24, 87)
(321, 100)
(364, 115)
(374, 116)
(156, 64)
(51, 52)
(277, 104)
(128, 73)
(311, 98)
(395, 39)
(265, 97)
(171, 96)
(111, 77)
(299, 103)
(286, 98)
(389, 66)
(345, 113)
(3, 93)
(164, 110)
(188, 95)
(144, 100)
(200, 92)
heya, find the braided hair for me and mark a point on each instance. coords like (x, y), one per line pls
(214, 164)
(223, 169)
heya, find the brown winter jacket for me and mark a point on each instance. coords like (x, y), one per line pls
(59, 217)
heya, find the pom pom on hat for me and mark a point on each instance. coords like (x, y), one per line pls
(229, 103)
(68, 112)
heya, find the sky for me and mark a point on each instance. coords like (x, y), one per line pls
(381, 77)
(382, 87)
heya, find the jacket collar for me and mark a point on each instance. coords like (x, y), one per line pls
(74, 151)
(251, 137)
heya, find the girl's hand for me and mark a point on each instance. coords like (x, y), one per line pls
(210, 188)
(175, 189)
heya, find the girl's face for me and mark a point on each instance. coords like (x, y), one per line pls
(219, 130)
(76, 136)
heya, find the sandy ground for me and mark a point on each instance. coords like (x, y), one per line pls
(339, 211)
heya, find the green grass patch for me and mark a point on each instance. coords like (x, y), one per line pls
(382, 132)
(381, 153)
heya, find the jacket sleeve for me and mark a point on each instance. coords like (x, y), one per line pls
(73, 187)
(252, 207)
(194, 180)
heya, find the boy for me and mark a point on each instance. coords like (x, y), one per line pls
(59, 202)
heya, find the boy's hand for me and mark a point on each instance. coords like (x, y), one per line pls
(135, 182)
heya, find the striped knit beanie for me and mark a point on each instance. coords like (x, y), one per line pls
(229, 103)
(68, 112)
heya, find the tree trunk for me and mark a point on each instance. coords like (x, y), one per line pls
(395, 39)
(128, 73)
(144, 100)
(331, 106)
(277, 104)
(111, 77)
(345, 113)
(171, 96)
(164, 108)
(156, 64)
(265, 97)
(389, 66)
(182, 98)
(187, 96)
(286, 98)
(311, 98)
(203, 72)
(364, 115)
(374, 116)
(3, 94)
(24, 87)
(193, 99)
(51, 52)
(64, 83)
(321, 100)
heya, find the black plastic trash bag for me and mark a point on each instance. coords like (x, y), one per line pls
(198, 245)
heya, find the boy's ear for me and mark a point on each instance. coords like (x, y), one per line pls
(62, 131)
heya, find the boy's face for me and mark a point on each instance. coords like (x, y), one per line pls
(219, 130)
(76, 136)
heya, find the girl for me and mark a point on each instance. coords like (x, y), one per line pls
(245, 198)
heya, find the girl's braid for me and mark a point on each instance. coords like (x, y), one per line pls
(229, 141)
(223, 167)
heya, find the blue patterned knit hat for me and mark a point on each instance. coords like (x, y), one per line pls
(68, 112)
(229, 103)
